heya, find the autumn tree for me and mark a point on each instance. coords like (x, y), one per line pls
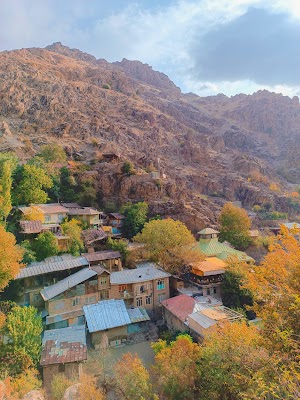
(23, 329)
(53, 153)
(73, 229)
(11, 256)
(88, 389)
(169, 243)
(45, 245)
(234, 226)
(133, 379)
(33, 183)
(136, 216)
(175, 368)
(33, 213)
(5, 191)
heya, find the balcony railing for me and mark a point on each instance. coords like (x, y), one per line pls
(126, 295)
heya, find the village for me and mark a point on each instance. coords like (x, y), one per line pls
(94, 299)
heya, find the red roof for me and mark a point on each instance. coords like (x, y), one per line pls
(180, 306)
(31, 226)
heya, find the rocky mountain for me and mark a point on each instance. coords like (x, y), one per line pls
(190, 153)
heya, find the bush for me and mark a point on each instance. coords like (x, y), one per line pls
(128, 168)
(106, 86)
(59, 385)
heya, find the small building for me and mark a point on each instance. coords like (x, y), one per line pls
(115, 220)
(112, 319)
(109, 259)
(196, 315)
(93, 238)
(90, 215)
(52, 213)
(63, 351)
(145, 286)
(209, 245)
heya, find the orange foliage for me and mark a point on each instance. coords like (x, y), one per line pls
(11, 256)
(88, 389)
(274, 187)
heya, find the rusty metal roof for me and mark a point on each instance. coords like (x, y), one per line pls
(64, 345)
(102, 255)
(180, 306)
(31, 226)
(93, 235)
(52, 208)
(117, 215)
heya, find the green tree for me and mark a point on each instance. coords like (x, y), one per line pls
(128, 168)
(235, 225)
(67, 186)
(119, 245)
(73, 229)
(136, 216)
(29, 255)
(53, 153)
(169, 243)
(5, 191)
(45, 245)
(32, 184)
(234, 295)
(23, 329)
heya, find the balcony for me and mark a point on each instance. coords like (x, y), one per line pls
(126, 295)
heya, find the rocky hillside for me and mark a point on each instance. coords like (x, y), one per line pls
(205, 150)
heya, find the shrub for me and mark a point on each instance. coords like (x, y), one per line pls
(59, 385)
(106, 86)
(128, 168)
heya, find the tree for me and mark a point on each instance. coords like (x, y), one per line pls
(53, 153)
(5, 191)
(45, 245)
(175, 368)
(32, 184)
(136, 216)
(88, 389)
(169, 243)
(23, 329)
(11, 256)
(73, 229)
(67, 186)
(33, 213)
(128, 168)
(233, 293)
(119, 245)
(133, 380)
(22, 384)
(235, 226)
(29, 255)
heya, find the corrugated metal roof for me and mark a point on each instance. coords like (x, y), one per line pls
(64, 345)
(106, 314)
(83, 211)
(34, 226)
(180, 306)
(210, 266)
(51, 319)
(141, 274)
(102, 255)
(117, 215)
(51, 265)
(51, 291)
(70, 205)
(208, 231)
(213, 247)
(90, 236)
(204, 321)
(137, 315)
(52, 208)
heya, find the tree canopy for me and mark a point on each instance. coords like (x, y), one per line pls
(136, 216)
(53, 153)
(169, 243)
(73, 229)
(45, 245)
(234, 226)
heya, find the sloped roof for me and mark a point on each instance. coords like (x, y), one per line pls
(106, 314)
(102, 255)
(70, 205)
(57, 263)
(52, 208)
(31, 226)
(210, 266)
(90, 236)
(138, 315)
(208, 231)
(64, 345)
(180, 306)
(54, 290)
(51, 319)
(83, 211)
(213, 247)
(117, 215)
(141, 274)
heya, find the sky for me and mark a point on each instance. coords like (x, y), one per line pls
(205, 46)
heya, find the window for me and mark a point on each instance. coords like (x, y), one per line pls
(76, 301)
(47, 218)
(208, 292)
(161, 297)
(61, 367)
(103, 294)
(160, 284)
(139, 301)
(122, 288)
(60, 217)
(215, 290)
(148, 299)
(59, 305)
(90, 300)
(103, 280)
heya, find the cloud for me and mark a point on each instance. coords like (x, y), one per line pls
(259, 46)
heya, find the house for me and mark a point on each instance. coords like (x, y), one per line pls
(109, 259)
(63, 351)
(93, 238)
(207, 276)
(209, 245)
(112, 319)
(92, 217)
(115, 220)
(196, 315)
(52, 213)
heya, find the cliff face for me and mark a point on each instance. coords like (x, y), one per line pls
(205, 149)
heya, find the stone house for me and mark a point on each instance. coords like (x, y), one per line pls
(63, 351)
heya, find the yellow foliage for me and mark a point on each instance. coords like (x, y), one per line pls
(274, 187)
(11, 256)
(17, 387)
(88, 389)
(33, 213)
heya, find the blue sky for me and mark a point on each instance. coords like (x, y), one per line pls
(204, 46)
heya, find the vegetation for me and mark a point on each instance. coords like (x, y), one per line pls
(119, 245)
(128, 168)
(73, 229)
(53, 153)
(234, 226)
(136, 216)
(169, 243)
(59, 385)
(11, 257)
(45, 245)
